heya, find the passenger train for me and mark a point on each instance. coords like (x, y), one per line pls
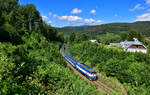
(84, 69)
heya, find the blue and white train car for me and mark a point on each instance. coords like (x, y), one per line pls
(87, 71)
(84, 69)
(70, 60)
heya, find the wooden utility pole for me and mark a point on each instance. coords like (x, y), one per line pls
(29, 19)
(4, 3)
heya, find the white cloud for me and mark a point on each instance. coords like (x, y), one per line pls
(89, 21)
(44, 18)
(116, 15)
(148, 2)
(98, 21)
(71, 18)
(50, 13)
(137, 7)
(49, 22)
(93, 11)
(54, 16)
(76, 11)
(75, 19)
(63, 17)
(92, 21)
(148, 10)
(143, 17)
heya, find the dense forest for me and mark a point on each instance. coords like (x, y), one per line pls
(107, 38)
(108, 33)
(30, 61)
(115, 28)
(131, 69)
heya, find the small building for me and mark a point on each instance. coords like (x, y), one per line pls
(147, 38)
(93, 41)
(83, 42)
(133, 46)
(114, 44)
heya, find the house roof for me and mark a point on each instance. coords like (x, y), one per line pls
(83, 41)
(126, 44)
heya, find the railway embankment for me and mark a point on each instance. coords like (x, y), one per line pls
(105, 84)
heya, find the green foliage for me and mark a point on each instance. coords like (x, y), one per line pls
(77, 38)
(109, 38)
(17, 21)
(8, 33)
(49, 32)
(30, 60)
(133, 34)
(1, 18)
(26, 17)
(124, 36)
(129, 68)
(133, 90)
(60, 37)
(72, 37)
(8, 5)
(37, 67)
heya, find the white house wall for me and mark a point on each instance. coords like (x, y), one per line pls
(137, 50)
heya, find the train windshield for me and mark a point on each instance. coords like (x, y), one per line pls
(93, 72)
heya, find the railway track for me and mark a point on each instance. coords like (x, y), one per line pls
(101, 86)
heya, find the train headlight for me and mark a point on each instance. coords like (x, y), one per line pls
(94, 75)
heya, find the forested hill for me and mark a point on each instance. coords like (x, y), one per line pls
(116, 28)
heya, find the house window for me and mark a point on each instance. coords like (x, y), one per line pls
(133, 46)
(141, 47)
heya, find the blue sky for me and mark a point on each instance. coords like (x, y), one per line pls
(59, 13)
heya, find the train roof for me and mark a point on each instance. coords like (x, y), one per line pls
(81, 64)
(71, 57)
(87, 67)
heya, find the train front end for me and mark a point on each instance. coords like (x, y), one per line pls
(93, 76)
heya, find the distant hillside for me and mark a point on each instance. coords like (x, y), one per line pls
(142, 26)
